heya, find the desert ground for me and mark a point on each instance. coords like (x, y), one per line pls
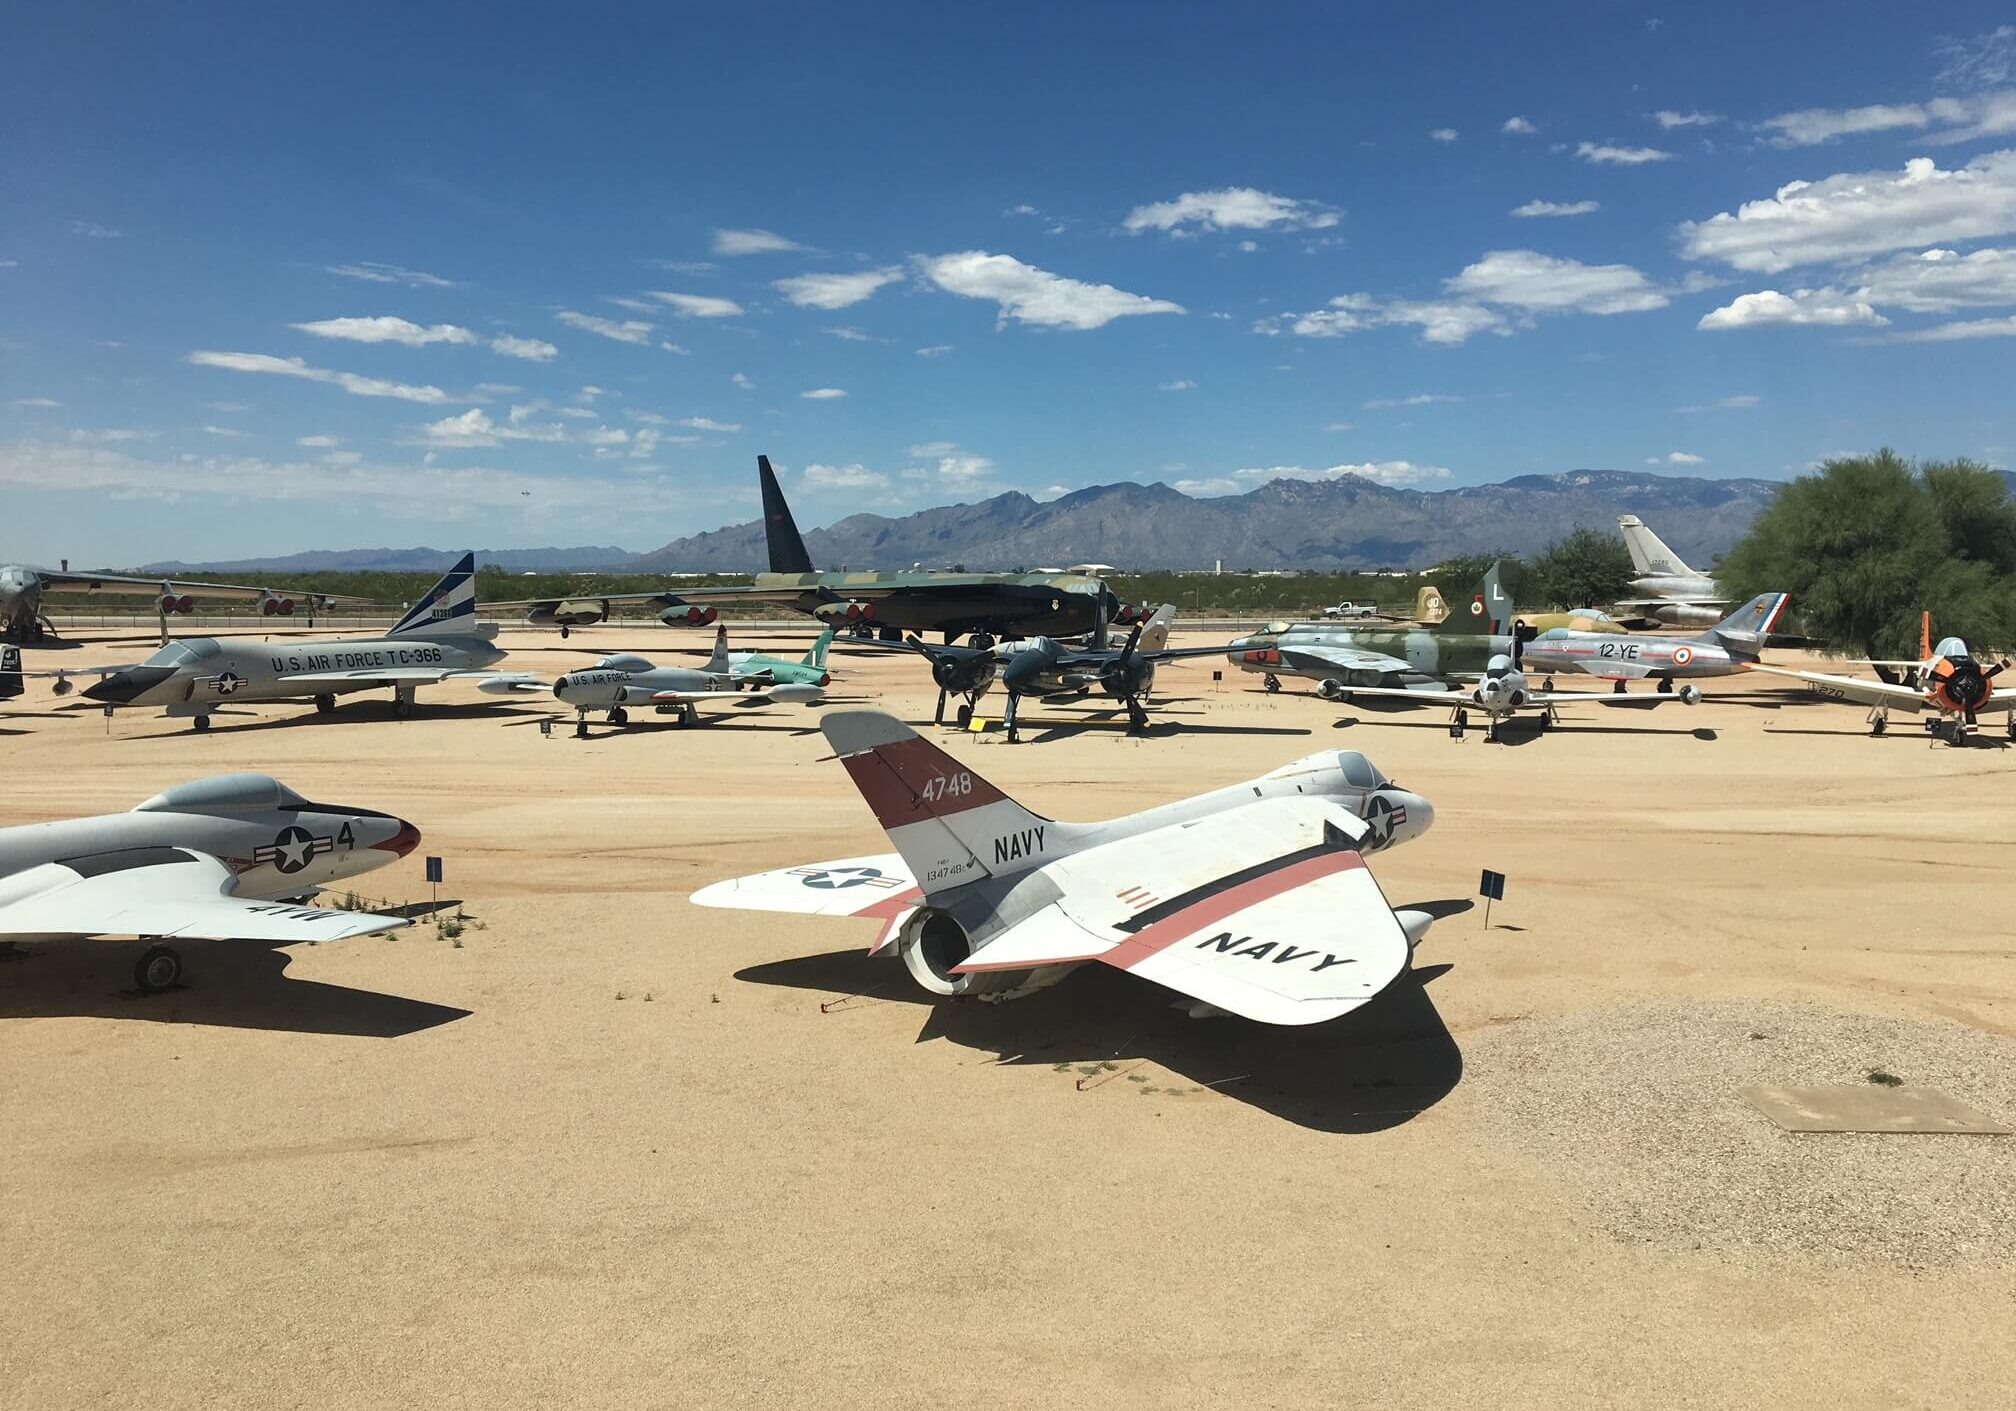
(606, 1148)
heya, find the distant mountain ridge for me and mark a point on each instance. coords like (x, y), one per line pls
(1346, 523)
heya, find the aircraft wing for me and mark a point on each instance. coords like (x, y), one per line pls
(1320, 659)
(314, 680)
(853, 886)
(1675, 602)
(659, 599)
(1856, 688)
(171, 892)
(59, 581)
(1433, 693)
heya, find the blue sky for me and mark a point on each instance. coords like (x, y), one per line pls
(508, 275)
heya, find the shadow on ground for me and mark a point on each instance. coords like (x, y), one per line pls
(228, 984)
(1376, 1068)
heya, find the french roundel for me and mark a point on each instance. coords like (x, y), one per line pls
(1682, 655)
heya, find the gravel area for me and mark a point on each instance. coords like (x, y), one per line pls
(1636, 1113)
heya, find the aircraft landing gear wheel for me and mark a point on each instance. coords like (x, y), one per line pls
(1877, 727)
(689, 716)
(402, 707)
(158, 969)
(565, 631)
(325, 703)
(619, 716)
(1272, 682)
(983, 641)
(964, 716)
(200, 724)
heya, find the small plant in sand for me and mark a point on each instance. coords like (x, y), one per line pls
(1884, 1079)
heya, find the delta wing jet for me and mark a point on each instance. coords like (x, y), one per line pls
(439, 639)
(1673, 594)
(23, 589)
(1949, 680)
(1253, 900)
(226, 858)
(617, 682)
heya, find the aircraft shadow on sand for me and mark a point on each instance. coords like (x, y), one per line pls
(1524, 730)
(1375, 1068)
(357, 712)
(1162, 725)
(231, 985)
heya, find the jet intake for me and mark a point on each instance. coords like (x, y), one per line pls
(273, 605)
(932, 942)
(177, 603)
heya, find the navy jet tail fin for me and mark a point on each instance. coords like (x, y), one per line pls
(1743, 632)
(448, 609)
(1489, 610)
(10, 673)
(787, 547)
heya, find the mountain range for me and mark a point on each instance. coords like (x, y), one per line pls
(1346, 523)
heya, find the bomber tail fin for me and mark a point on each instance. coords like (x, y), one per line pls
(951, 826)
(1489, 611)
(1744, 631)
(1649, 553)
(448, 609)
(787, 547)
(817, 656)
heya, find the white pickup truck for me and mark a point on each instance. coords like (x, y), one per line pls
(1359, 610)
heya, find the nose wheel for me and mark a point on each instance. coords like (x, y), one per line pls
(619, 716)
(325, 704)
(200, 724)
(1271, 681)
(159, 968)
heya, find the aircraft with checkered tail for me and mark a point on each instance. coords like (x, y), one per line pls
(231, 857)
(1254, 900)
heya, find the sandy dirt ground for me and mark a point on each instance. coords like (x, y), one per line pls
(609, 1151)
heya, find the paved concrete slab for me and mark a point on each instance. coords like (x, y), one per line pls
(1869, 1107)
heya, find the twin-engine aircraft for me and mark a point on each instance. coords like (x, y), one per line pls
(438, 640)
(1252, 900)
(231, 857)
(1948, 680)
(22, 590)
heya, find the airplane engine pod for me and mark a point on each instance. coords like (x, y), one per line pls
(273, 606)
(1689, 694)
(177, 603)
(1331, 689)
(932, 942)
(689, 616)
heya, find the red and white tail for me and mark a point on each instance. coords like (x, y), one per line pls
(951, 826)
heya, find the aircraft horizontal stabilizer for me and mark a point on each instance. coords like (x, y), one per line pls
(853, 886)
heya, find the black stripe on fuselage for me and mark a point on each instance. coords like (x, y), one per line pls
(1333, 841)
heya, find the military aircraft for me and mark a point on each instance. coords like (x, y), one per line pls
(22, 590)
(987, 605)
(618, 682)
(1674, 594)
(1253, 900)
(754, 667)
(1054, 671)
(232, 857)
(1948, 680)
(1724, 649)
(437, 640)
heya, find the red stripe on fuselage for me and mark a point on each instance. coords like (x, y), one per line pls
(1171, 929)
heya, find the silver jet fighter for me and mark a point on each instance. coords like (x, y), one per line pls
(1253, 900)
(1672, 594)
(226, 858)
(1724, 649)
(439, 639)
(617, 682)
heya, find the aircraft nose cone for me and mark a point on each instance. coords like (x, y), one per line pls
(125, 687)
(401, 842)
(1420, 816)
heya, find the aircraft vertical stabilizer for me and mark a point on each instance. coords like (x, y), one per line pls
(1649, 553)
(1489, 610)
(1745, 630)
(718, 663)
(448, 609)
(787, 547)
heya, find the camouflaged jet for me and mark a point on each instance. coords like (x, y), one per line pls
(23, 589)
(1254, 900)
(439, 639)
(988, 605)
(232, 857)
(1947, 679)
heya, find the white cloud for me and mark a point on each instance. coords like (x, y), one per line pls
(1419, 399)
(1445, 134)
(845, 477)
(1526, 279)
(1676, 458)
(91, 230)
(836, 291)
(1742, 401)
(607, 436)
(629, 331)
(476, 427)
(36, 402)
(227, 432)
(112, 435)
(1953, 332)
(824, 394)
(1397, 474)
(936, 350)
(9, 264)
(1215, 485)
(1036, 296)
(1339, 426)
(374, 273)
(1602, 155)
(753, 242)
(1233, 208)
(636, 306)
(1810, 127)
(1669, 120)
(343, 458)
(697, 305)
(964, 470)
(930, 450)
(1555, 208)
(741, 379)
(229, 408)
(1939, 281)
(531, 349)
(1444, 321)
(1181, 384)
(1519, 127)
(701, 423)
(317, 443)
(354, 384)
(1857, 214)
(1825, 307)
(385, 329)
(847, 333)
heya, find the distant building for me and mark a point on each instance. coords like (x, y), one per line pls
(1092, 570)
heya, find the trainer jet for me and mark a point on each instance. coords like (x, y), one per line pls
(618, 682)
(1254, 900)
(438, 640)
(232, 857)
(22, 590)
(1054, 671)
(987, 605)
(1949, 680)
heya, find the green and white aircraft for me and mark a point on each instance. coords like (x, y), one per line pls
(754, 667)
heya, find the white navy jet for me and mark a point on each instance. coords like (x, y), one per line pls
(23, 589)
(231, 857)
(1673, 595)
(438, 640)
(1253, 900)
(618, 682)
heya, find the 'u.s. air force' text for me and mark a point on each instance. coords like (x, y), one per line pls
(360, 657)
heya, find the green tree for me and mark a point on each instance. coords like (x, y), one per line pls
(1582, 569)
(1973, 503)
(1867, 544)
